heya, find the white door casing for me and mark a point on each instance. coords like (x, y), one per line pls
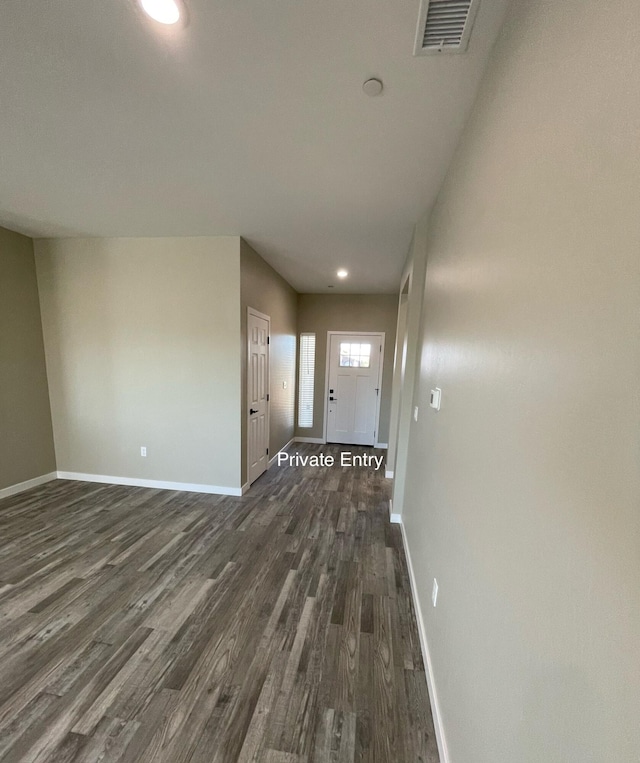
(258, 330)
(353, 389)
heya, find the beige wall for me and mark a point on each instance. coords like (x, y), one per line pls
(523, 492)
(26, 438)
(320, 313)
(266, 291)
(141, 339)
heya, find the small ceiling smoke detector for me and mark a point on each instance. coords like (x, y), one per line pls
(163, 11)
(372, 87)
(342, 273)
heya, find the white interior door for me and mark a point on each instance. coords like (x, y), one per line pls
(257, 393)
(355, 365)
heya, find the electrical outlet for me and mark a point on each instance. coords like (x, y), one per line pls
(415, 413)
(436, 396)
(434, 592)
(143, 451)
(284, 385)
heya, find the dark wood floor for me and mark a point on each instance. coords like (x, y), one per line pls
(143, 625)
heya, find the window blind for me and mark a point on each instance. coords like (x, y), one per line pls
(305, 379)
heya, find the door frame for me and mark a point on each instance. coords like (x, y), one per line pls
(326, 378)
(257, 314)
(399, 367)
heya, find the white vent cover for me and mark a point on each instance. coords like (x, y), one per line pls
(445, 26)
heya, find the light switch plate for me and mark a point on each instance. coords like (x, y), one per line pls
(436, 396)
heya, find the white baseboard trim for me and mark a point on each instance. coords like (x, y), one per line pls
(431, 686)
(389, 474)
(284, 447)
(395, 519)
(20, 487)
(159, 484)
(383, 445)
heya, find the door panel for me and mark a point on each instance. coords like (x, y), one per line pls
(362, 412)
(343, 408)
(354, 372)
(257, 395)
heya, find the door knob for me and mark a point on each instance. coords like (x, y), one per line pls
(252, 411)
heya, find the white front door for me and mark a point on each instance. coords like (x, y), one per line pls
(257, 394)
(355, 365)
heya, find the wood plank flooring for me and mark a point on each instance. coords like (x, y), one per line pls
(140, 625)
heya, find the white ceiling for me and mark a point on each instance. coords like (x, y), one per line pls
(249, 121)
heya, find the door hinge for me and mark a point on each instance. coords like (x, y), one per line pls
(267, 451)
(267, 398)
(268, 340)
(380, 348)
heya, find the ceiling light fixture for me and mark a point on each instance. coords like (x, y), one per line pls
(342, 273)
(163, 11)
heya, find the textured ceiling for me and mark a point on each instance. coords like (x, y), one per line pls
(250, 120)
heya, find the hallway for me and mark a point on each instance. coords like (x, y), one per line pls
(147, 625)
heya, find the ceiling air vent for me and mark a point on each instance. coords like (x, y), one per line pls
(445, 26)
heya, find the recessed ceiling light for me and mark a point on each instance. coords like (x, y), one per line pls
(164, 11)
(342, 273)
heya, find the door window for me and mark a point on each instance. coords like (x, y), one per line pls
(355, 355)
